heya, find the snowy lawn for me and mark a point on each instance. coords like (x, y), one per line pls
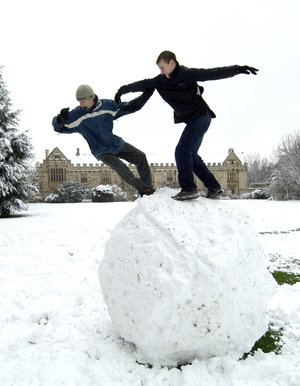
(54, 325)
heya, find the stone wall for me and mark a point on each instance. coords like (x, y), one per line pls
(56, 168)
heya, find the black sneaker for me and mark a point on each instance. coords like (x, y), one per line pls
(214, 193)
(186, 195)
(146, 192)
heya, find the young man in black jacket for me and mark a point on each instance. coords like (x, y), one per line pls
(177, 85)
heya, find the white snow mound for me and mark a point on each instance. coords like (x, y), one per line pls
(186, 280)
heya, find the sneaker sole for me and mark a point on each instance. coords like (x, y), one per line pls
(191, 197)
(216, 195)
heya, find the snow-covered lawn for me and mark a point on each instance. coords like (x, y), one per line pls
(54, 325)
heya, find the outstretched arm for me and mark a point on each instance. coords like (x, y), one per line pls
(203, 74)
(141, 85)
(136, 104)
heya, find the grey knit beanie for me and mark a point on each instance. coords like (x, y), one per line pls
(84, 92)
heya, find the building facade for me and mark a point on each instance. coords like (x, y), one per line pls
(56, 168)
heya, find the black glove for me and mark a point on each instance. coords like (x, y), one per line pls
(122, 90)
(118, 97)
(247, 70)
(63, 115)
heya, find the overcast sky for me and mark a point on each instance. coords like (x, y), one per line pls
(50, 47)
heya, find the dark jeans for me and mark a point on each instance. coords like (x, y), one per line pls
(187, 159)
(136, 157)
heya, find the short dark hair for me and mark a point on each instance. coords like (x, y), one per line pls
(166, 56)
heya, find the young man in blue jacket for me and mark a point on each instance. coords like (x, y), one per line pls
(177, 85)
(93, 119)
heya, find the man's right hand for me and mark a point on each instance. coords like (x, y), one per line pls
(63, 116)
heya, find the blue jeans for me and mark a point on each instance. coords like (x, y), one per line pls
(188, 161)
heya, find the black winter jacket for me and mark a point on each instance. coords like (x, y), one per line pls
(181, 90)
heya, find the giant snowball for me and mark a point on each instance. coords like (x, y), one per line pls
(186, 280)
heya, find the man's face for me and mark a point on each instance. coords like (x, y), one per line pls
(166, 68)
(86, 103)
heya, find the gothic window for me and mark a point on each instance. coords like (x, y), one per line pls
(231, 176)
(106, 178)
(170, 176)
(57, 175)
(83, 178)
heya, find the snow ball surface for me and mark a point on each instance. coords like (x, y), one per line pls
(186, 280)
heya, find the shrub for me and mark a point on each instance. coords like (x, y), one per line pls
(257, 194)
(108, 193)
(68, 192)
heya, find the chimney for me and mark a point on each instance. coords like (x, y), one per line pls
(47, 153)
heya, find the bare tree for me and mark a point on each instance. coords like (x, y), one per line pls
(286, 179)
(260, 170)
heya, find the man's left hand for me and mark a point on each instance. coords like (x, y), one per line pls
(248, 70)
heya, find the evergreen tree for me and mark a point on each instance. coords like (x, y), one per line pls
(15, 154)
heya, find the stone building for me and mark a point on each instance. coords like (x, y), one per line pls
(56, 168)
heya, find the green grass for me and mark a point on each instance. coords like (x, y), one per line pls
(285, 270)
(269, 342)
(284, 277)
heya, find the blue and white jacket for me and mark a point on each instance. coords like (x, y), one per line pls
(96, 125)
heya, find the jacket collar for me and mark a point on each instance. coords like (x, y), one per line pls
(97, 103)
(174, 72)
(96, 100)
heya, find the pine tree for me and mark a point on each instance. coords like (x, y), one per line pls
(15, 155)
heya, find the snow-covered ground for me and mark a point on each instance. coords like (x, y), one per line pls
(54, 325)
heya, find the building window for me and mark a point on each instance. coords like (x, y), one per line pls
(105, 178)
(83, 178)
(170, 176)
(57, 175)
(231, 177)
